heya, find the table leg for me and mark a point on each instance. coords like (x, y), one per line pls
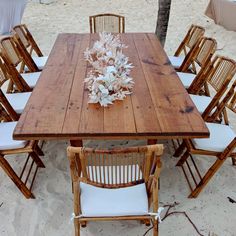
(76, 143)
(151, 141)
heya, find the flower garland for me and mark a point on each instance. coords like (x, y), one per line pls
(109, 79)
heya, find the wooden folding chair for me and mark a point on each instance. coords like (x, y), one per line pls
(27, 41)
(18, 56)
(107, 23)
(194, 33)
(8, 146)
(106, 184)
(199, 60)
(221, 144)
(199, 55)
(213, 109)
(23, 82)
(218, 75)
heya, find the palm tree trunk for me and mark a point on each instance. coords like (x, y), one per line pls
(163, 20)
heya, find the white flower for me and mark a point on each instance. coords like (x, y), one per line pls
(109, 53)
(111, 69)
(109, 79)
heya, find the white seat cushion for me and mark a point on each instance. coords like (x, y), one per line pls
(186, 78)
(127, 201)
(40, 61)
(201, 102)
(18, 101)
(31, 78)
(6, 140)
(220, 138)
(176, 61)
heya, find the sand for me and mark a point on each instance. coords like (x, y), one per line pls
(49, 214)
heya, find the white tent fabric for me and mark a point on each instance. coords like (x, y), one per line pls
(223, 12)
(11, 12)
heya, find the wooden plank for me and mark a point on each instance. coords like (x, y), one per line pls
(64, 51)
(45, 111)
(176, 112)
(119, 118)
(73, 113)
(143, 108)
(91, 119)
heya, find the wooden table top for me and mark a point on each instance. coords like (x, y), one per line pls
(159, 106)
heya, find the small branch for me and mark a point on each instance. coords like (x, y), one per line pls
(169, 207)
(185, 214)
(219, 49)
(1, 204)
(148, 230)
(168, 213)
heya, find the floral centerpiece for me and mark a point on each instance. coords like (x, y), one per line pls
(109, 78)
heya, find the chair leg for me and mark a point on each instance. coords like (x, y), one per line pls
(37, 160)
(179, 150)
(183, 159)
(77, 227)
(17, 181)
(155, 228)
(83, 224)
(146, 222)
(233, 161)
(38, 150)
(209, 174)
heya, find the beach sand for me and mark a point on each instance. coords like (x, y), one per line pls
(49, 214)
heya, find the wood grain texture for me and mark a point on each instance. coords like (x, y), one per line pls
(159, 106)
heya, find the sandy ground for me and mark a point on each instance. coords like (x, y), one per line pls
(50, 213)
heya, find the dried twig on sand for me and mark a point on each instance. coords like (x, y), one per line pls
(168, 213)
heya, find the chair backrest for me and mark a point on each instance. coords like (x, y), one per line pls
(107, 23)
(217, 73)
(220, 101)
(27, 39)
(21, 32)
(11, 49)
(9, 73)
(4, 76)
(115, 168)
(194, 33)
(14, 49)
(222, 71)
(200, 55)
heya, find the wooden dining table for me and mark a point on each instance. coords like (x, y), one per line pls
(158, 108)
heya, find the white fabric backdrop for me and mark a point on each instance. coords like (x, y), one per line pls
(223, 12)
(11, 12)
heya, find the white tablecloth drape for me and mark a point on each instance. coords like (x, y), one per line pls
(11, 12)
(223, 12)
